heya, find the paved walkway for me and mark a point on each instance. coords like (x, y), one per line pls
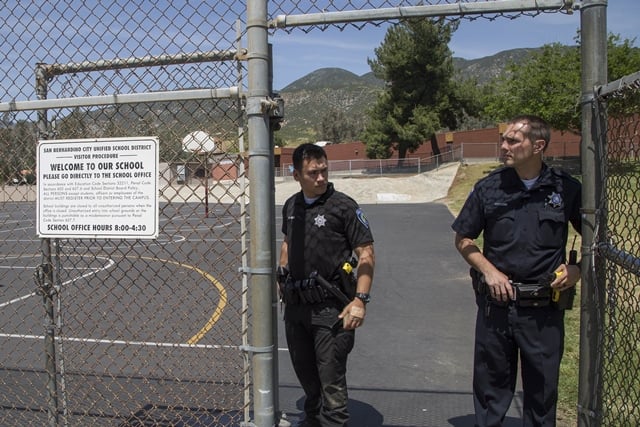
(420, 188)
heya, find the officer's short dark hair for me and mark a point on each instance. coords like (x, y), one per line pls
(538, 128)
(306, 152)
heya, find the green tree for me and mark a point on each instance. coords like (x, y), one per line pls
(20, 154)
(623, 57)
(6, 170)
(420, 96)
(547, 83)
(337, 127)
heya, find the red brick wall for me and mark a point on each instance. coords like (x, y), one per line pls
(479, 143)
(225, 170)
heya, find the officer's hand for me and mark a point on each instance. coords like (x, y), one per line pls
(353, 314)
(567, 275)
(499, 286)
(282, 273)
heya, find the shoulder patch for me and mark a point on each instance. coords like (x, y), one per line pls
(362, 218)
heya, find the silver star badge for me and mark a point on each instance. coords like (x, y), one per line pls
(320, 220)
(554, 200)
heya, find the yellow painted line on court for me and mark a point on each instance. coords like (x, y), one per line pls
(219, 308)
(222, 303)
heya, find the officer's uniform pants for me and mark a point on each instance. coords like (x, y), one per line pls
(534, 334)
(319, 346)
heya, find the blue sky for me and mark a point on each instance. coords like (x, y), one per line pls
(298, 53)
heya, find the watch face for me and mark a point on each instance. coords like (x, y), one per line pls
(364, 297)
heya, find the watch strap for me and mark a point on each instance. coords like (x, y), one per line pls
(364, 297)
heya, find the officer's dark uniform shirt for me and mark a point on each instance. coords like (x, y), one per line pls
(525, 231)
(333, 226)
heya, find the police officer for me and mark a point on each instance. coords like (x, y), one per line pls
(322, 229)
(524, 210)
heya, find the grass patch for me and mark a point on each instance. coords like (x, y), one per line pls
(460, 188)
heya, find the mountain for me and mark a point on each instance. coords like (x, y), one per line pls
(332, 78)
(307, 98)
(488, 68)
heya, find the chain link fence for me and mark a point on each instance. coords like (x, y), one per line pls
(618, 250)
(99, 331)
(383, 167)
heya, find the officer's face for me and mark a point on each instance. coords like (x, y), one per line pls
(313, 177)
(517, 149)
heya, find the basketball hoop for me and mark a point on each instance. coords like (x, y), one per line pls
(198, 142)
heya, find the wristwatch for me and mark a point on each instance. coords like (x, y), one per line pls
(365, 298)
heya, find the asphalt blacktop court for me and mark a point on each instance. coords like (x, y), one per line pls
(412, 361)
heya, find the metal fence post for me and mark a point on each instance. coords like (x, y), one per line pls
(262, 198)
(593, 33)
(44, 281)
(44, 274)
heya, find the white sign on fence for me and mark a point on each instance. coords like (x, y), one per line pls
(98, 188)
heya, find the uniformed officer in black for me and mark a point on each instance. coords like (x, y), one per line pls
(322, 229)
(524, 210)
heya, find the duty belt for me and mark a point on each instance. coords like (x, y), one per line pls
(305, 291)
(533, 295)
(316, 289)
(526, 294)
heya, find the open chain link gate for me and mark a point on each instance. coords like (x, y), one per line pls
(155, 332)
(617, 254)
